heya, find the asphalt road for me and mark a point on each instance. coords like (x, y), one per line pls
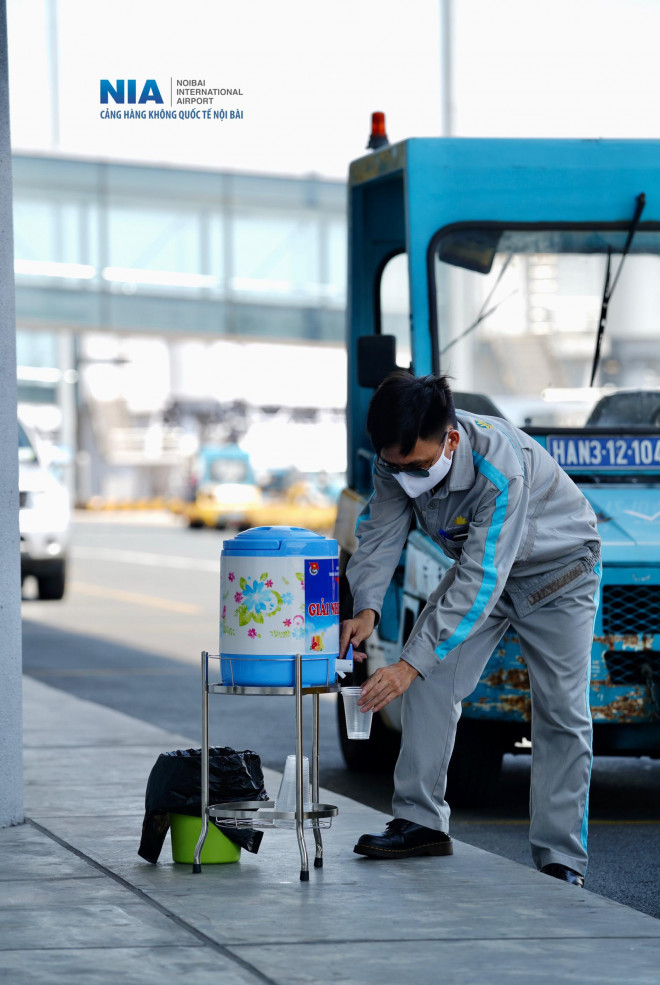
(142, 602)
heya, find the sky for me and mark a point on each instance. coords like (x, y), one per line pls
(310, 74)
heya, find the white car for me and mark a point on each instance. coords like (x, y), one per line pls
(45, 519)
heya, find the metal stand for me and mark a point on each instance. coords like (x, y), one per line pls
(262, 814)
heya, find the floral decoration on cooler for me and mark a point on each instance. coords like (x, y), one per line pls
(257, 599)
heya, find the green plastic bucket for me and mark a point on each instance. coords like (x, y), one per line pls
(185, 833)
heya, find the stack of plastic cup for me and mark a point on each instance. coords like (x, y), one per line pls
(286, 797)
(358, 722)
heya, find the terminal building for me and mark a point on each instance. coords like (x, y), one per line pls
(153, 301)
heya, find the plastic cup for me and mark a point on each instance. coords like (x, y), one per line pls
(286, 797)
(358, 722)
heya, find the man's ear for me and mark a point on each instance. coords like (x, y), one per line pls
(453, 440)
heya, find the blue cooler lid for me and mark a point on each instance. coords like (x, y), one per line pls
(281, 542)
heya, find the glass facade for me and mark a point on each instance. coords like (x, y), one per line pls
(138, 288)
(170, 251)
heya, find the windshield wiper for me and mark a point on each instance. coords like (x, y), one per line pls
(608, 289)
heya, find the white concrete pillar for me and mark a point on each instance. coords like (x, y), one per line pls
(11, 719)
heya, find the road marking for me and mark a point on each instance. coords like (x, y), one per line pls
(145, 557)
(135, 598)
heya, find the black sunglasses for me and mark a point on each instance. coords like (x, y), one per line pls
(416, 472)
(394, 470)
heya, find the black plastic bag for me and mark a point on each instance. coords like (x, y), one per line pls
(174, 786)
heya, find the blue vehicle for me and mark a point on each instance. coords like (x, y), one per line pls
(529, 271)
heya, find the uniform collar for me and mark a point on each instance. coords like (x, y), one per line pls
(461, 473)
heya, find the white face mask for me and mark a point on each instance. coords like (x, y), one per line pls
(415, 485)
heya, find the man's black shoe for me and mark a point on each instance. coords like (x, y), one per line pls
(564, 873)
(403, 839)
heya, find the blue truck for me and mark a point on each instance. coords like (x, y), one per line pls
(529, 272)
(224, 488)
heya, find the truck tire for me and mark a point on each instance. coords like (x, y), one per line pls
(377, 754)
(52, 585)
(475, 765)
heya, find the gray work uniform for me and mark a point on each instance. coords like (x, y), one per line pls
(527, 553)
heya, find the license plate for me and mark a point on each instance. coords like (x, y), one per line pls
(605, 452)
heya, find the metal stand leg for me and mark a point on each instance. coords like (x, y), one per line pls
(318, 861)
(197, 865)
(300, 793)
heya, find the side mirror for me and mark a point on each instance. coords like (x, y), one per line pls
(376, 359)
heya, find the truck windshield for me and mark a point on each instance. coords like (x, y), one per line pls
(227, 470)
(516, 316)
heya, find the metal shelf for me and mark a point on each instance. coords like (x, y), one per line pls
(262, 814)
(267, 689)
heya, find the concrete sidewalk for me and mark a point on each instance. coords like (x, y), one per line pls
(77, 902)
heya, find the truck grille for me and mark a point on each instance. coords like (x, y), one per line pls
(633, 611)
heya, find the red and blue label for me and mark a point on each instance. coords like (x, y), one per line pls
(322, 606)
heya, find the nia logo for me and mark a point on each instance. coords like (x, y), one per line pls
(125, 91)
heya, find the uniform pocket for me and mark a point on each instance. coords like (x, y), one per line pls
(450, 547)
(539, 591)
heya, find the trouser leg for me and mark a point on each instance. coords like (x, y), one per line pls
(556, 643)
(430, 712)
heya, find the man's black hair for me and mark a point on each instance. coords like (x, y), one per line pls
(405, 408)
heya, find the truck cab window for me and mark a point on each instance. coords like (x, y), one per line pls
(517, 315)
(394, 306)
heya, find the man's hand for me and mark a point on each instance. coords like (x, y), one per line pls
(385, 685)
(355, 631)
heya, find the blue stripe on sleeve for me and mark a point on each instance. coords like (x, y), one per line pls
(489, 579)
